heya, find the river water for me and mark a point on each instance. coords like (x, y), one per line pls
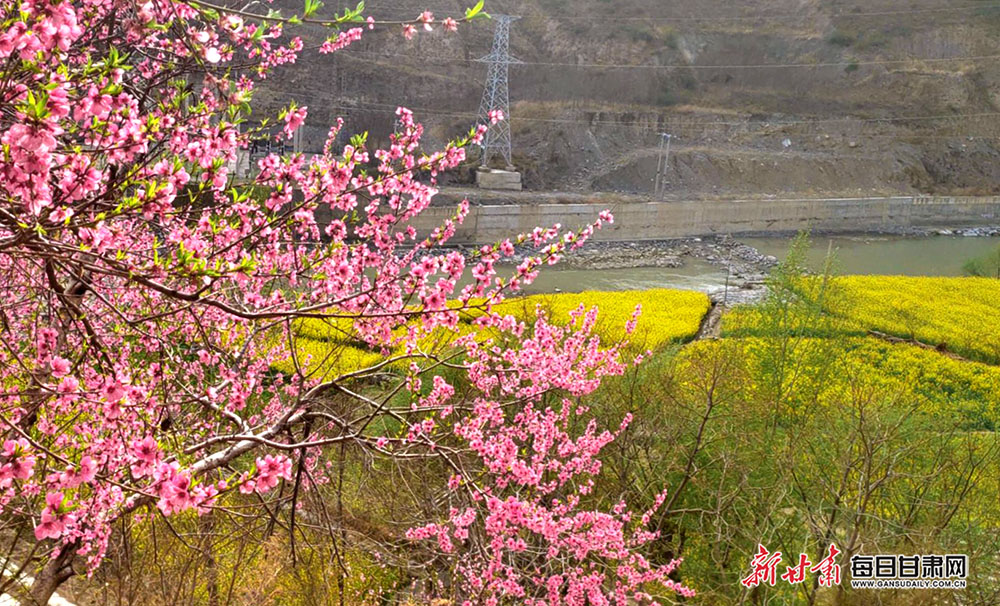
(875, 255)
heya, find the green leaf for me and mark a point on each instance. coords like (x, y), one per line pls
(112, 89)
(358, 141)
(35, 105)
(470, 13)
(312, 6)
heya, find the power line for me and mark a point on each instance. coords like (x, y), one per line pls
(392, 107)
(760, 17)
(369, 106)
(792, 16)
(389, 109)
(695, 128)
(917, 60)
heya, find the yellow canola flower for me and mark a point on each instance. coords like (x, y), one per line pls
(811, 371)
(342, 329)
(961, 315)
(327, 360)
(668, 315)
(327, 348)
(325, 329)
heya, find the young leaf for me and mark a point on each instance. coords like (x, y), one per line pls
(470, 13)
(312, 6)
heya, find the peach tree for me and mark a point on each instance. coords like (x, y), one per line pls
(150, 294)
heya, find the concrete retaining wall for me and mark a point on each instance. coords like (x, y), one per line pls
(498, 179)
(660, 220)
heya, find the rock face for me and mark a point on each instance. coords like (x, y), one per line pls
(831, 121)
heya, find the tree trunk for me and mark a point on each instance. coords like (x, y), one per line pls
(207, 526)
(57, 571)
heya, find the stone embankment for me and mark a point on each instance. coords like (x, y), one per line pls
(650, 221)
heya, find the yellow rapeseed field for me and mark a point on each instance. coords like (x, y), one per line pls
(836, 371)
(960, 315)
(326, 359)
(668, 316)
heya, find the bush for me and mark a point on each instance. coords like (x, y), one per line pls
(841, 38)
(987, 266)
(807, 442)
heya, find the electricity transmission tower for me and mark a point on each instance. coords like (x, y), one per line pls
(496, 95)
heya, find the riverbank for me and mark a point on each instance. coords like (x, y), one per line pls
(732, 270)
(654, 221)
(724, 252)
(721, 266)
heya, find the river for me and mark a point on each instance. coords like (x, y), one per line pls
(862, 254)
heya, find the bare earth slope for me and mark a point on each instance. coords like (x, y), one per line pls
(879, 97)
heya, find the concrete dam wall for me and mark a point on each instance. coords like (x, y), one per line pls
(663, 220)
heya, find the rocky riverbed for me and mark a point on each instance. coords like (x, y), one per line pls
(742, 262)
(968, 232)
(743, 267)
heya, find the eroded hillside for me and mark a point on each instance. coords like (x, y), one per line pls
(763, 97)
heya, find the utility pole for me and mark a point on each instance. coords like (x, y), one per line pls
(496, 95)
(661, 166)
